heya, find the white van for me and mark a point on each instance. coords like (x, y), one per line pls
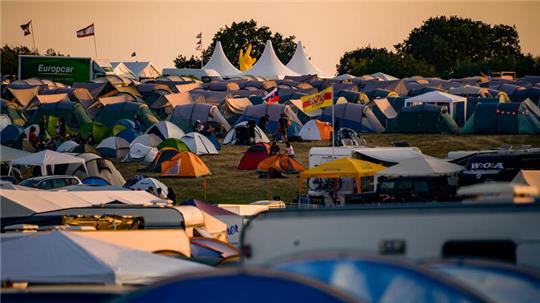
(204, 74)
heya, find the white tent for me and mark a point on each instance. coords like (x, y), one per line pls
(141, 69)
(16, 203)
(8, 153)
(383, 76)
(140, 152)
(424, 166)
(344, 77)
(221, 64)
(147, 183)
(260, 135)
(269, 66)
(147, 139)
(300, 63)
(113, 147)
(123, 71)
(311, 130)
(165, 130)
(67, 146)
(438, 98)
(69, 258)
(47, 158)
(199, 144)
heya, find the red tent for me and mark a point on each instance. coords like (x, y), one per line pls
(253, 156)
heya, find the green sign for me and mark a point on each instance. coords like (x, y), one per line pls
(59, 69)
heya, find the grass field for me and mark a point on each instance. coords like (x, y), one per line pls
(229, 185)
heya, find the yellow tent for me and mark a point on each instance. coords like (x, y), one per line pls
(342, 168)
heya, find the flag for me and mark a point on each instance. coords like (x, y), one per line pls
(272, 96)
(26, 28)
(133, 54)
(199, 35)
(199, 42)
(199, 47)
(319, 100)
(85, 32)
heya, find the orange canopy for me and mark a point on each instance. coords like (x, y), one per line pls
(185, 164)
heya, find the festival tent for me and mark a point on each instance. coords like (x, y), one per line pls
(24, 95)
(71, 258)
(47, 160)
(343, 168)
(256, 112)
(269, 66)
(469, 91)
(425, 166)
(282, 163)
(199, 144)
(185, 164)
(113, 147)
(354, 116)
(148, 140)
(73, 113)
(123, 71)
(111, 113)
(501, 118)
(457, 105)
(67, 146)
(209, 97)
(150, 183)
(254, 155)
(174, 143)
(165, 130)
(140, 152)
(315, 130)
(142, 70)
(232, 108)
(300, 63)
(7, 153)
(220, 63)
(185, 116)
(163, 155)
(37, 100)
(383, 110)
(240, 130)
(96, 166)
(383, 76)
(165, 104)
(425, 118)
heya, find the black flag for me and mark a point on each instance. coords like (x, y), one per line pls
(133, 54)
(26, 28)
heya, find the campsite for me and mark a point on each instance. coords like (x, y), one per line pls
(251, 171)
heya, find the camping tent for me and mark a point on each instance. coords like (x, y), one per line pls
(282, 163)
(274, 110)
(151, 140)
(113, 147)
(232, 108)
(174, 143)
(241, 129)
(150, 183)
(185, 164)
(315, 130)
(502, 118)
(49, 98)
(142, 70)
(269, 66)
(165, 130)
(47, 160)
(254, 155)
(67, 146)
(456, 105)
(199, 144)
(70, 258)
(24, 95)
(354, 116)
(220, 63)
(425, 118)
(383, 110)
(300, 63)
(343, 167)
(140, 152)
(96, 166)
(423, 166)
(165, 104)
(164, 154)
(185, 116)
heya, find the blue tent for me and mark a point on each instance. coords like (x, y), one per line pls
(256, 112)
(238, 285)
(358, 117)
(11, 134)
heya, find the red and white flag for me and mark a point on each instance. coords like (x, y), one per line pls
(85, 32)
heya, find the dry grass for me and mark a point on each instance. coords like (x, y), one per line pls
(229, 185)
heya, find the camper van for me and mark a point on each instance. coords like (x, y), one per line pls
(417, 231)
(205, 74)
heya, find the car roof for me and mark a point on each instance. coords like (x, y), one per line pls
(51, 177)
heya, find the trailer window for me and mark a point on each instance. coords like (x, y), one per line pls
(500, 250)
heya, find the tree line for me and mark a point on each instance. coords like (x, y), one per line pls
(10, 57)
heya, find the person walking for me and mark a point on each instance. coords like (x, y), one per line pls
(283, 127)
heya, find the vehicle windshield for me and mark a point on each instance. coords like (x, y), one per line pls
(29, 183)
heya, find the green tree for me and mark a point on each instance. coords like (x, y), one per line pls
(183, 62)
(10, 58)
(238, 35)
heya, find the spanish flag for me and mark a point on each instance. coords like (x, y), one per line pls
(319, 100)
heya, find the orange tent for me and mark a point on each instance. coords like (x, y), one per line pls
(281, 162)
(185, 164)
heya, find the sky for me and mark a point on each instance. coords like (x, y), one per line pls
(159, 31)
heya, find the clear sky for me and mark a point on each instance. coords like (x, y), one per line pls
(159, 31)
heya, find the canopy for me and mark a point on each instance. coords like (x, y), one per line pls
(66, 257)
(220, 63)
(437, 97)
(426, 166)
(269, 66)
(343, 167)
(8, 153)
(300, 63)
(47, 158)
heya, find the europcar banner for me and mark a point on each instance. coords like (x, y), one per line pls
(59, 69)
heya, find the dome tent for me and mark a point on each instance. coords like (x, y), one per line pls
(315, 130)
(300, 63)
(269, 66)
(351, 115)
(256, 112)
(220, 63)
(185, 164)
(165, 130)
(231, 136)
(253, 156)
(185, 116)
(113, 147)
(199, 144)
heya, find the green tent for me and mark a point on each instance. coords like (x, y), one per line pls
(501, 118)
(99, 130)
(73, 113)
(424, 118)
(111, 113)
(13, 111)
(173, 143)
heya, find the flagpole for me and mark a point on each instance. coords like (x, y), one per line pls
(202, 58)
(95, 44)
(333, 129)
(33, 39)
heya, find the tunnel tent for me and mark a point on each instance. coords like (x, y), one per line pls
(111, 113)
(358, 117)
(502, 118)
(73, 113)
(14, 111)
(165, 104)
(219, 62)
(424, 118)
(274, 112)
(232, 108)
(185, 116)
